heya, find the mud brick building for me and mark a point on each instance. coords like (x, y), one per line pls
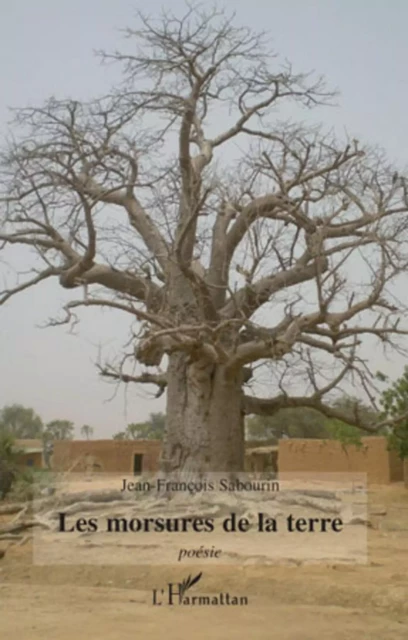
(261, 459)
(330, 456)
(127, 456)
(292, 455)
(30, 453)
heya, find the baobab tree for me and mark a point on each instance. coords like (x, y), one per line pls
(247, 248)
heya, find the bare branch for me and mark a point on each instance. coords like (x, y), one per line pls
(6, 294)
(285, 253)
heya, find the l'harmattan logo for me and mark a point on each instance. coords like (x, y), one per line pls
(175, 594)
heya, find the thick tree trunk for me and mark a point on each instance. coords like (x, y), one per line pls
(205, 421)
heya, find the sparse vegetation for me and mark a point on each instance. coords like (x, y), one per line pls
(152, 429)
(395, 403)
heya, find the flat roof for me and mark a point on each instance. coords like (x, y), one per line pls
(261, 450)
(29, 444)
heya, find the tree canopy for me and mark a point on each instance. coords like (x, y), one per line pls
(309, 423)
(59, 430)
(394, 402)
(152, 429)
(20, 422)
(87, 431)
(287, 423)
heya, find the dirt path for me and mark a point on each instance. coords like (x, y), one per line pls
(325, 602)
(111, 614)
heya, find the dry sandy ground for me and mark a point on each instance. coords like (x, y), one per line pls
(332, 602)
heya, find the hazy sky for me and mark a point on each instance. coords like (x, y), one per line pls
(46, 48)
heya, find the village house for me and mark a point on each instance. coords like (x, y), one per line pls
(289, 456)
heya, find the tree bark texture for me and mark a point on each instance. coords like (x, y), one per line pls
(205, 420)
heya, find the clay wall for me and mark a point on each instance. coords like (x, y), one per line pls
(330, 456)
(105, 455)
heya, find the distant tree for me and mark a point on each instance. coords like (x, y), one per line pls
(292, 423)
(121, 435)
(136, 431)
(8, 449)
(59, 430)
(394, 401)
(356, 411)
(8, 463)
(308, 423)
(152, 429)
(21, 422)
(7, 477)
(87, 431)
